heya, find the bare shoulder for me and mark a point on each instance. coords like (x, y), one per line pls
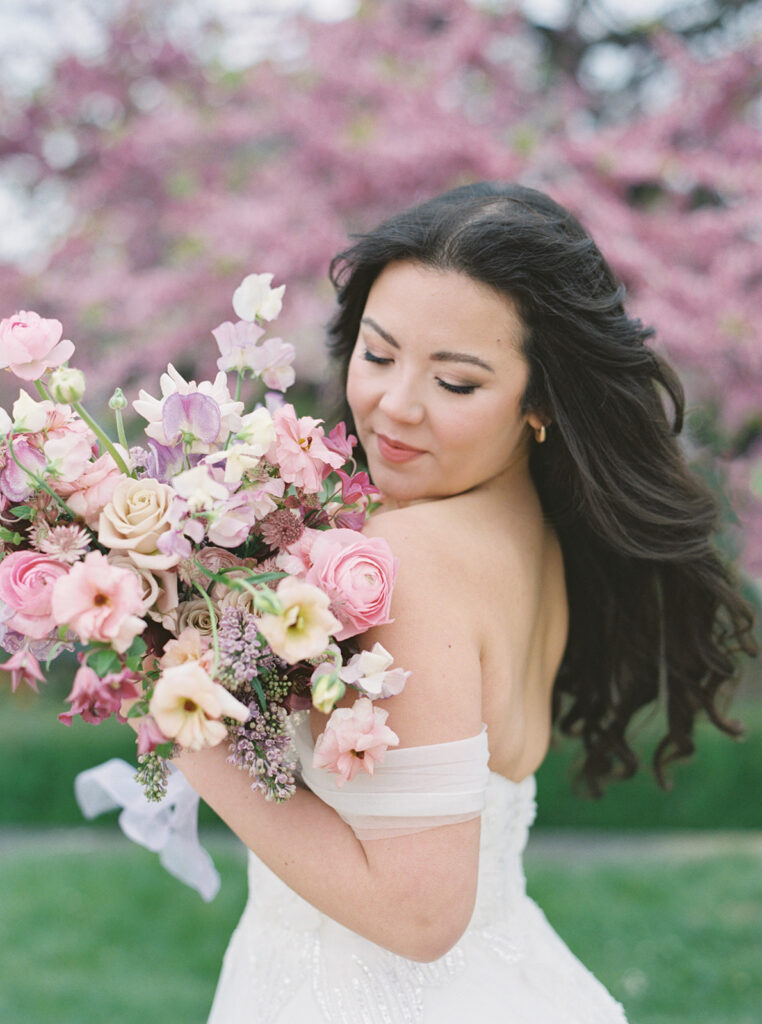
(429, 635)
(433, 532)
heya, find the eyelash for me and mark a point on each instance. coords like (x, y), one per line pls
(455, 389)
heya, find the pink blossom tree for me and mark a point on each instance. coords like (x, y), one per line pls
(183, 176)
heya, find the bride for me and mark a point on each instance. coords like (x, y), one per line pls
(556, 568)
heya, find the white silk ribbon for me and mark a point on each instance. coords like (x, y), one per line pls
(168, 827)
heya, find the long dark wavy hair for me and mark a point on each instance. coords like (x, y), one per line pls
(654, 612)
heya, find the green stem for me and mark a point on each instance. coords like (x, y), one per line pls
(120, 429)
(213, 622)
(238, 386)
(41, 391)
(102, 436)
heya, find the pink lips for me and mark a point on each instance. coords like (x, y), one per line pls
(396, 451)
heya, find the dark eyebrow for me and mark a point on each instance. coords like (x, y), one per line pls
(439, 357)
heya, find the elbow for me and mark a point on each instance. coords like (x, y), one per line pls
(432, 936)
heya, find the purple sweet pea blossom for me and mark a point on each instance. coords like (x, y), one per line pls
(14, 482)
(237, 344)
(196, 415)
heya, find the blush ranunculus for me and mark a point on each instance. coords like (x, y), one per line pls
(30, 345)
(92, 490)
(357, 573)
(27, 581)
(100, 601)
(354, 739)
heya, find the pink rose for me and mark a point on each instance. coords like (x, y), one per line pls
(354, 739)
(100, 602)
(27, 581)
(357, 573)
(92, 490)
(30, 345)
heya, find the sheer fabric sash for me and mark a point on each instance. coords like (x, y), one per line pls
(415, 788)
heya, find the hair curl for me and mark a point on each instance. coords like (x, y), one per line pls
(653, 609)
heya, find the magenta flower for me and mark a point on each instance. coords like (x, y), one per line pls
(195, 415)
(96, 699)
(30, 345)
(24, 668)
(300, 450)
(339, 442)
(354, 740)
(100, 601)
(355, 487)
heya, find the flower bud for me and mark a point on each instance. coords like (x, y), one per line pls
(117, 402)
(267, 602)
(66, 384)
(327, 688)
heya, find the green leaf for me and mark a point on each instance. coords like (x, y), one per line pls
(104, 661)
(9, 536)
(139, 710)
(23, 512)
(165, 749)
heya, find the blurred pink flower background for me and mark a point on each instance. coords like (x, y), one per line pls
(181, 174)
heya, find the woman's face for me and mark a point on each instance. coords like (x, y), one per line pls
(435, 384)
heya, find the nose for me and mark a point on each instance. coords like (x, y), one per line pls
(401, 402)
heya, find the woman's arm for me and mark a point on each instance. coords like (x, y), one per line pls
(412, 894)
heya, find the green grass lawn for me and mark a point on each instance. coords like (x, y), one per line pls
(108, 937)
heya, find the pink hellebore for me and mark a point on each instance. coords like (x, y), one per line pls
(30, 345)
(24, 668)
(96, 699)
(27, 583)
(100, 601)
(354, 739)
(299, 450)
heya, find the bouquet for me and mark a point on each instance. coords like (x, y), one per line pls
(210, 576)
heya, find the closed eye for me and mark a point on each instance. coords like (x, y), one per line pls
(369, 357)
(457, 389)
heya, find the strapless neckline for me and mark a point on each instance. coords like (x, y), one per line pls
(399, 756)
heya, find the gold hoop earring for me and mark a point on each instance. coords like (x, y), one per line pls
(541, 434)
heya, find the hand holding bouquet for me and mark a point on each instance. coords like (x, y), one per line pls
(207, 575)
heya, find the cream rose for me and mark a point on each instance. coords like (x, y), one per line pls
(135, 518)
(158, 590)
(196, 614)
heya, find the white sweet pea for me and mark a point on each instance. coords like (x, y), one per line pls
(28, 415)
(6, 423)
(369, 672)
(255, 298)
(239, 459)
(257, 430)
(199, 488)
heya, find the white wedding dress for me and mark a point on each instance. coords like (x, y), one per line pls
(289, 964)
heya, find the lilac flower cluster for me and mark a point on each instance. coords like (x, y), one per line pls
(262, 748)
(240, 646)
(245, 656)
